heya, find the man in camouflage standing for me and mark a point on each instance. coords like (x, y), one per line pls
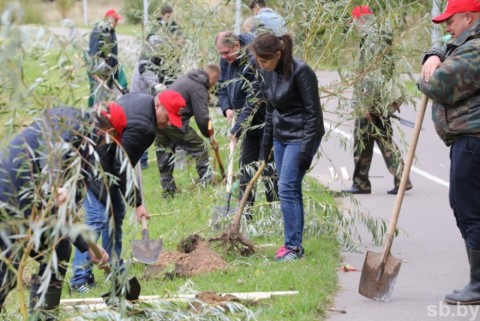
(450, 77)
(372, 104)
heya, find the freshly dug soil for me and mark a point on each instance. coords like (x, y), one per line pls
(194, 256)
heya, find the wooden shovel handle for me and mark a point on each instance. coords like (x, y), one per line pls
(405, 174)
(94, 247)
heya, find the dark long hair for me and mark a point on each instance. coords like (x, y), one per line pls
(267, 44)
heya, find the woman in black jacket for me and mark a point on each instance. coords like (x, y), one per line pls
(293, 127)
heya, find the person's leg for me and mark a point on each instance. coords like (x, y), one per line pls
(390, 152)
(165, 162)
(96, 218)
(144, 160)
(464, 188)
(270, 177)
(291, 197)
(195, 146)
(118, 208)
(46, 302)
(362, 154)
(8, 278)
(249, 155)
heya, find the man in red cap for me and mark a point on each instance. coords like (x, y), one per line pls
(43, 175)
(145, 114)
(371, 101)
(105, 73)
(450, 77)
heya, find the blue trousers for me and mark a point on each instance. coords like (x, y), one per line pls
(290, 190)
(98, 218)
(465, 188)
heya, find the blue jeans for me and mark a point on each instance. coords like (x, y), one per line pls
(98, 219)
(290, 190)
(465, 188)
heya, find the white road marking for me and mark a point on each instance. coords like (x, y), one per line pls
(420, 172)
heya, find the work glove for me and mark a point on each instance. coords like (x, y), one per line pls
(159, 88)
(304, 161)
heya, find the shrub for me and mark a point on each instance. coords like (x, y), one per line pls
(133, 9)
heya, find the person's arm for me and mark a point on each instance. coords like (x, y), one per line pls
(222, 90)
(199, 101)
(252, 99)
(444, 86)
(307, 86)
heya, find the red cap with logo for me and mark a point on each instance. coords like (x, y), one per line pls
(174, 103)
(359, 11)
(457, 6)
(117, 118)
(112, 13)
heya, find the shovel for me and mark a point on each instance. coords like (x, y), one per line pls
(380, 270)
(224, 211)
(133, 288)
(145, 250)
(214, 144)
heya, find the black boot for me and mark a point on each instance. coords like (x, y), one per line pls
(468, 256)
(47, 310)
(470, 294)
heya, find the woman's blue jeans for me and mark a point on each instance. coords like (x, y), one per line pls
(290, 190)
(96, 216)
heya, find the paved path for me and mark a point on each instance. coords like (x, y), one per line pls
(433, 254)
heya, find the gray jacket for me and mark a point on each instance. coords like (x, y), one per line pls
(194, 88)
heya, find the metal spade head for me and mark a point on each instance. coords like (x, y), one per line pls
(133, 290)
(145, 250)
(379, 276)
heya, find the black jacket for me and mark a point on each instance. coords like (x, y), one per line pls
(43, 156)
(194, 89)
(136, 138)
(239, 91)
(294, 113)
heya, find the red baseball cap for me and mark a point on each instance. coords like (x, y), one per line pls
(174, 103)
(113, 13)
(457, 6)
(359, 11)
(117, 118)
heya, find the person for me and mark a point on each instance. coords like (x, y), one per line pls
(371, 102)
(293, 127)
(450, 78)
(150, 76)
(105, 75)
(43, 174)
(239, 94)
(104, 205)
(267, 19)
(194, 88)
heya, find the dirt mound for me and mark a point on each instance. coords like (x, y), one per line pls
(194, 256)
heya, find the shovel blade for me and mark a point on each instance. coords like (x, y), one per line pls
(147, 251)
(220, 215)
(133, 291)
(378, 278)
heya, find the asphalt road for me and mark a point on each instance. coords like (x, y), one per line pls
(429, 243)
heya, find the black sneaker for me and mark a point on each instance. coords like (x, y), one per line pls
(81, 288)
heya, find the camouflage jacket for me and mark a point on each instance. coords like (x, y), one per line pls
(455, 88)
(375, 70)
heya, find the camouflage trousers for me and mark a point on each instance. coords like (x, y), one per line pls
(166, 141)
(367, 132)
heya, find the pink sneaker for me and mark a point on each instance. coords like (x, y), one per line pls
(280, 252)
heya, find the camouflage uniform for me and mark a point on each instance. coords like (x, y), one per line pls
(454, 89)
(371, 101)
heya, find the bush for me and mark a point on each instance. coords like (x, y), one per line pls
(133, 9)
(64, 7)
(31, 10)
